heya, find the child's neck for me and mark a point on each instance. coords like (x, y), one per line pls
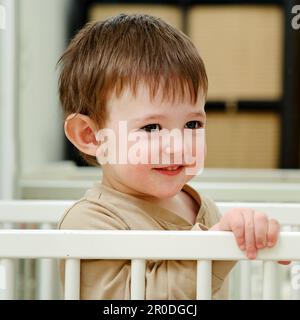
(182, 203)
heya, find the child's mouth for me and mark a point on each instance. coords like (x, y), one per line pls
(170, 170)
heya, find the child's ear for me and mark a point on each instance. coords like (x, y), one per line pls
(80, 129)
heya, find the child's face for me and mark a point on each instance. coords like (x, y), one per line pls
(144, 179)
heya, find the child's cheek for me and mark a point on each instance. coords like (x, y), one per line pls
(138, 173)
(139, 150)
(145, 150)
(196, 149)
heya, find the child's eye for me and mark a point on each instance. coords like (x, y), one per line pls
(194, 124)
(151, 127)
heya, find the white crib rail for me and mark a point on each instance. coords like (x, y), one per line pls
(48, 212)
(33, 211)
(139, 246)
(221, 191)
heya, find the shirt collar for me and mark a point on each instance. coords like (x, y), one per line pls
(114, 196)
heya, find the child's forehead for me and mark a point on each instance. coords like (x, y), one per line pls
(142, 100)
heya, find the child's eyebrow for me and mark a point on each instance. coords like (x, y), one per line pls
(198, 114)
(153, 117)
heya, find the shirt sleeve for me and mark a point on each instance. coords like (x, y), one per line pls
(99, 279)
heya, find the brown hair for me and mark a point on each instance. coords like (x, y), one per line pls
(121, 51)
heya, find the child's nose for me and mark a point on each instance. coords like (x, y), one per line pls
(174, 147)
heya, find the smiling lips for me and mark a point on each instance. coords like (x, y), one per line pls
(170, 170)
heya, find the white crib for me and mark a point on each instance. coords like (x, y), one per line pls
(72, 245)
(219, 191)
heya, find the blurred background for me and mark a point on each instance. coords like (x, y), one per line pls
(252, 54)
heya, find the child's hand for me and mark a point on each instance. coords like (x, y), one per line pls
(252, 229)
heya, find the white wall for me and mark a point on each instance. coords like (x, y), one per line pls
(8, 162)
(42, 26)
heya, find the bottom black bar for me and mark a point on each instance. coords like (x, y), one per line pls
(146, 309)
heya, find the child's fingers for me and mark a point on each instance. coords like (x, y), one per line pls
(248, 215)
(273, 232)
(237, 225)
(260, 229)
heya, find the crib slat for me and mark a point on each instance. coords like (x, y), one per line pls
(28, 278)
(204, 268)
(269, 280)
(7, 279)
(294, 280)
(45, 279)
(45, 274)
(72, 279)
(294, 270)
(245, 279)
(8, 225)
(234, 283)
(138, 267)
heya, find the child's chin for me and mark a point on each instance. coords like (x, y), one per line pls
(163, 192)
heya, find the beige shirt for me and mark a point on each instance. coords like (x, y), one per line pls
(103, 208)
